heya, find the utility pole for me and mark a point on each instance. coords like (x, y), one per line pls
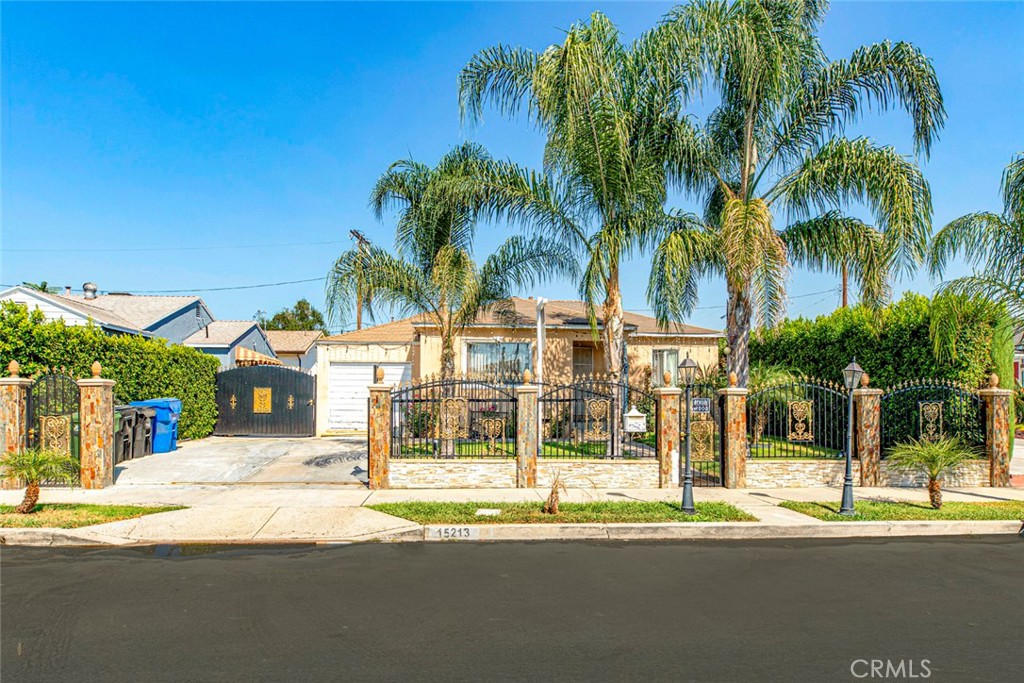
(364, 245)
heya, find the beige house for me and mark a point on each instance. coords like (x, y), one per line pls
(410, 349)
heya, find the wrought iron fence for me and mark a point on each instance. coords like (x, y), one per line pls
(705, 435)
(929, 410)
(586, 419)
(804, 419)
(53, 419)
(455, 418)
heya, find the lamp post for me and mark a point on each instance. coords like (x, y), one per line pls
(687, 373)
(851, 378)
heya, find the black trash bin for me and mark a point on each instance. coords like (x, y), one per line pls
(143, 443)
(124, 432)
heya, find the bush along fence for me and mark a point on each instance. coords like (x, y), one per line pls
(55, 411)
(467, 432)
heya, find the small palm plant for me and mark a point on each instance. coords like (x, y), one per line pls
(931, 458)
(34, 466)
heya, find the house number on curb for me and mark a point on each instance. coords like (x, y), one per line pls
(453, 533)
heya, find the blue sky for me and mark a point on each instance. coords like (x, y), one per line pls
(197, 130)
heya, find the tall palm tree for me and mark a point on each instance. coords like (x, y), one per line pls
(992, 243)
(775, 144)
(611, 115)
(433, 271)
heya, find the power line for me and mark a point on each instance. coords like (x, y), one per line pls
(226, 289)
(203, 248)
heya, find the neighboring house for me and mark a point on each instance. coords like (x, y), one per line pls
(221, 338)
(178, 319)
(411, 349)
(295, 347)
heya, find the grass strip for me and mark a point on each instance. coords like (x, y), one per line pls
(882, 511)
(72, 516)
(569, 513)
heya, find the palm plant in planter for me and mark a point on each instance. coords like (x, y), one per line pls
(931, 458)
(33, 466)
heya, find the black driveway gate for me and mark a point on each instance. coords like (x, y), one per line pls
(265, 400)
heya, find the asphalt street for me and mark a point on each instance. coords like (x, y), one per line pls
(742, 611)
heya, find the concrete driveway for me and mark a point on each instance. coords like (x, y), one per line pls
(251, 460)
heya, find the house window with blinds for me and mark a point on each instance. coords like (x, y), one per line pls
(664, 360)
(498, 359)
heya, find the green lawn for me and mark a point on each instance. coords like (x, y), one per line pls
(565, 449)
(569, 513)
(773, 447)
(72, 516)
(871, 510)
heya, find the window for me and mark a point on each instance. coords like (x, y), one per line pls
(497, 358)
(582, 360)
(662, 361)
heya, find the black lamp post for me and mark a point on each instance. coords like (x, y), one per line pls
(851, 378)
(687, 373)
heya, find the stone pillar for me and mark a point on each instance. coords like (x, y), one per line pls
(13, 415)
(867, 413)
(667, 398)
(380, 433)
(734, 435)
(96, 415)
(527, 432)
(998, 404)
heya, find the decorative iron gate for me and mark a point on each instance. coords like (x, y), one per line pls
(53, 413)
(456, 418)
(586, 420)
(804, 419)
(705, 435)
(929, 410)
(265, 400)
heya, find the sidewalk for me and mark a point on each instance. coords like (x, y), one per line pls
(306, 514)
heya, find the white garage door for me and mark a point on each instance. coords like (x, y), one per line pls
(347, 392)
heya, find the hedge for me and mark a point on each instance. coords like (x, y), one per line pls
(143, 368)
(892, 344)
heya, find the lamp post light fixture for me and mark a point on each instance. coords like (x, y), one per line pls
(851, 378)
(687, 373)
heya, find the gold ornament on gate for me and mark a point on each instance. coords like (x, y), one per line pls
(261, 400)
(55, 433)
(453, 419)
(598, 410)
(930, 420)
(702, 440)
(801, 418)
(493, 428)
(291, 402)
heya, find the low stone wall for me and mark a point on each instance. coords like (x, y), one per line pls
(453, 474)
(767, 474)
(600, 474)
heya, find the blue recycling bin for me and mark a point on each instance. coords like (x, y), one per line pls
(165, 423)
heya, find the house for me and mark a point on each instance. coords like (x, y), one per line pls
(410, 349)
(295, 347)
(178, 319)
(222, 338)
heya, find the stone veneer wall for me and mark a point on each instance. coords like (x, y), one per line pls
(766, 474)
(601, 474)
(452, 474)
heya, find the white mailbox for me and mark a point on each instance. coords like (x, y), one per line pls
(635, 421)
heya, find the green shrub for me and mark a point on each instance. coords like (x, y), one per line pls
(142, 368)
(892, 345)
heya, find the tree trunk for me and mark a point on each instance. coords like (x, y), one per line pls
(613, 326)
(448, 449)
(738, 334)
(31, 498)
(935, 493)
(846, 285)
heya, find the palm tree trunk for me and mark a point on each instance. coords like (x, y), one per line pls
(846, 284)
(738, 334)
(613, 326)
(447, 389)
(935, 493)
(31, 498)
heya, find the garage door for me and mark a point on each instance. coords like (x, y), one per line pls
(347, 392)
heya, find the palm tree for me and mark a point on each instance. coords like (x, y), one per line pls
(33, 466)
(433, 271)
(991, 243)
(611, 114)
(775, 142)
(933, 459)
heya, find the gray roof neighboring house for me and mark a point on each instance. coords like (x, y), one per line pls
(221, 333)
(103, 317)
(144, 311)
